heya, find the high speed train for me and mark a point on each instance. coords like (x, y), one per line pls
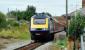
(42, 27)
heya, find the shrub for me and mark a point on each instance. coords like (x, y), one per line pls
(13, 23)
(76, 26)
(3, 22)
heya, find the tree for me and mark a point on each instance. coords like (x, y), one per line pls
(2, 20)
(30, 11)
(76, 25)
(19, 15)
(76, 28)
(12, 14)
(16, 14)
(48, 14)
(26, 15)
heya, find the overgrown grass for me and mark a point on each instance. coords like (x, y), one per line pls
(18, 32)
(61, 43)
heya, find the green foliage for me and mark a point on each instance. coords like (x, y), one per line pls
(11, 14)
(2, 20)
(26, 15)
(16, 32)
(47, 13)
(16, 14)
(62, 43)
(12, 23)
(30, 11)
(76, 26)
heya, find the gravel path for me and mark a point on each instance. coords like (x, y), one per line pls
(12, 45)
(45, 46)
(4, 42)
(48, 46)
(51, 45)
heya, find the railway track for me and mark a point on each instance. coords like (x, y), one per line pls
(33, 45)
(30, 46)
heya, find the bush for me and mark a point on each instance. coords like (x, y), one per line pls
(21, 32)
(12, 23)
(3, 22)
(76, 26)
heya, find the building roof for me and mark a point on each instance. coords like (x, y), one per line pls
(81, 11)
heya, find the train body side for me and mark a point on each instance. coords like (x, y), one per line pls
(42, 27)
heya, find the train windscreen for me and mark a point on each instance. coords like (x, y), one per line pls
(39, 21)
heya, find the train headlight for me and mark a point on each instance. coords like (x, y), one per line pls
(45, 29)
(33, 29)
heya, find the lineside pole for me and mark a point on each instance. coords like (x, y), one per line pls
(67, 16)
(82, 43)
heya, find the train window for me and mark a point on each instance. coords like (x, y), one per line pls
(39, 21)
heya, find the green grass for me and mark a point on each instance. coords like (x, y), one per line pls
(19, 32)
(61, 43)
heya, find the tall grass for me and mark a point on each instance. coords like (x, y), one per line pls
(18, 32)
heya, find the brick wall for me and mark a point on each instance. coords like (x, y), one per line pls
(83, 3)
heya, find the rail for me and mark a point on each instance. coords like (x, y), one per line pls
(30, 46)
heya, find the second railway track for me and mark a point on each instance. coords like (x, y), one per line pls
(30, 46)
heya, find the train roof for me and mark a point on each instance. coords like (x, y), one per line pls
(40, 16)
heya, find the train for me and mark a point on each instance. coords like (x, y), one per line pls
(42, 27)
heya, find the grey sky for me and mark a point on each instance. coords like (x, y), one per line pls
(55, 7)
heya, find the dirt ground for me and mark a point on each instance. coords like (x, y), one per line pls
(52, 47)
(4, 42)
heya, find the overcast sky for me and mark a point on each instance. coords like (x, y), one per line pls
(55, 7)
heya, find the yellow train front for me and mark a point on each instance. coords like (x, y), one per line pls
(41, 27)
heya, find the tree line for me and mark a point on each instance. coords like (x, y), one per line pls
(19, 15)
